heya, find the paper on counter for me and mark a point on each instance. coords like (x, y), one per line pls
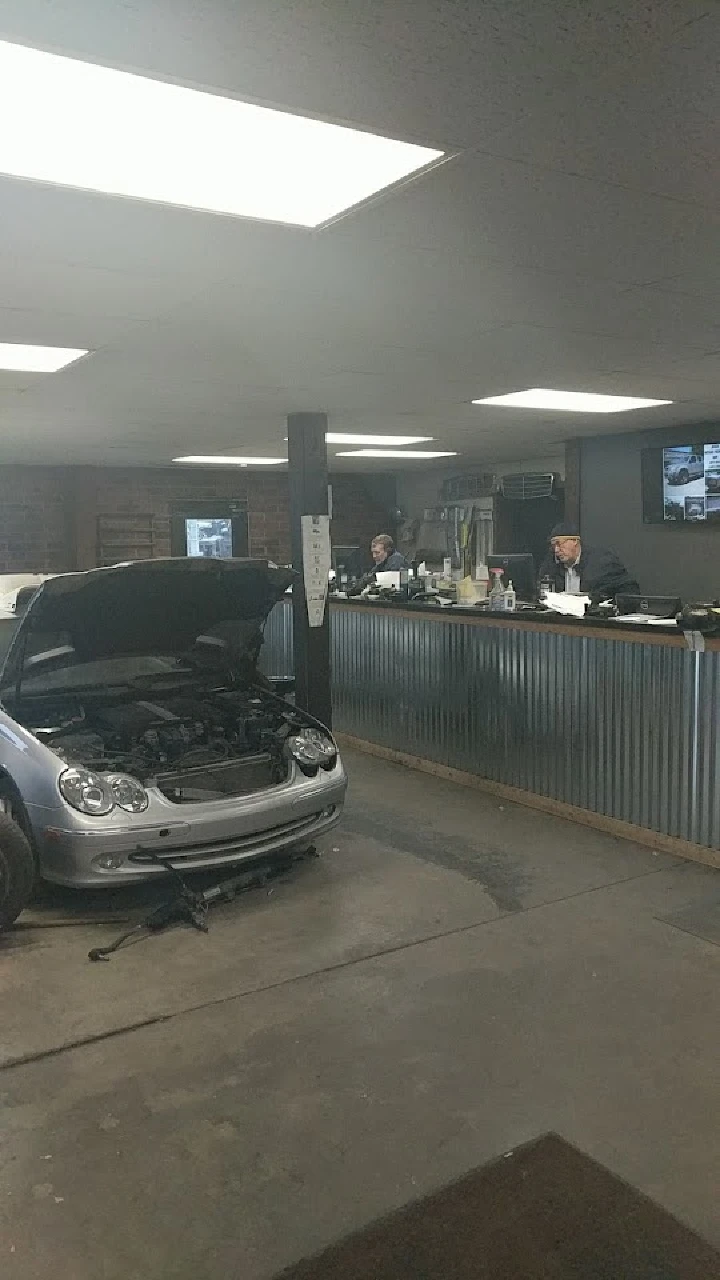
(567, 603)
(643, 619)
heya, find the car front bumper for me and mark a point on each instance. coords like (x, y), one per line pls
(100, 853)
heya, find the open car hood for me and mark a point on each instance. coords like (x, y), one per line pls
(149, 607)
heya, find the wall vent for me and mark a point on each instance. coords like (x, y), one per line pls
(527, 485)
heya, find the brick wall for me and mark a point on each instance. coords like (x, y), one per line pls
(122, 492)
(49, 515)
(33, 520)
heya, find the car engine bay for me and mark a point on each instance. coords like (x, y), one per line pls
(186, 743)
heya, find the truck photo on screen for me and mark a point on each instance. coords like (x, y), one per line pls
(691, 483)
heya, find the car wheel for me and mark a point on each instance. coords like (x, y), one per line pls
(17, 871)
(12, 806)
(683, 477)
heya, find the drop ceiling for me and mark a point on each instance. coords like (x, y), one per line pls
(571, 243)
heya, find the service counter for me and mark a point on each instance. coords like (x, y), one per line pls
(612, 725)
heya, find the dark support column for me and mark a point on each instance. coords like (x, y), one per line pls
(307, 456)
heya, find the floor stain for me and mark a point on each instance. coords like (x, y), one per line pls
(494, 869)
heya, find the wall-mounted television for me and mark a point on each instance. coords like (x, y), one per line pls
(681, 485)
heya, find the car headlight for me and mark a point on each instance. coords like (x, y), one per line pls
(86, 791)
(312, 750)
(127, 793)
(97, 794)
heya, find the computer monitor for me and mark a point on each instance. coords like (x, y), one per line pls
(350, 560)
(518, 569)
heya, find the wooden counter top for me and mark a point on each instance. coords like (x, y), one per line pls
(533, 620)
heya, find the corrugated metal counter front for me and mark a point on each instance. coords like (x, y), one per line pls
(620, 725)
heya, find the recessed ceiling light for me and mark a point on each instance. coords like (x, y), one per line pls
(345, 437)
(81, 125)
(570, 401)
(217, 460)
(395, 453)
(22, 358)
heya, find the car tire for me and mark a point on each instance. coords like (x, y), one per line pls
(683, 477)
(12, 806)
(17, 871)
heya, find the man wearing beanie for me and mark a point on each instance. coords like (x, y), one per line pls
(589, 571)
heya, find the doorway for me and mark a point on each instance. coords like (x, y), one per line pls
(211, 530)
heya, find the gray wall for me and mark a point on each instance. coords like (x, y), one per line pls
(667, 559)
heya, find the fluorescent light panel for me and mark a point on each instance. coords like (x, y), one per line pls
(342, 437)
(396, 453)
(217, 460)
(570, 401)
(82, 125)
(22, 358)
(345, 437)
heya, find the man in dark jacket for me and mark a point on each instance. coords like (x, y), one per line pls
(385, 557)
(588, 571)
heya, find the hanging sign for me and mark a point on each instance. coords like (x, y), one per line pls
(317, 562)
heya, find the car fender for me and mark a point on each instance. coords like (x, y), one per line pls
(31, 767)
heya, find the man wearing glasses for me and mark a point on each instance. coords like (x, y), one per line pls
(582, 570)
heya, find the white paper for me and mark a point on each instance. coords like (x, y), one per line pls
(392, 578)
(567, 603)
(317, 562)
(642, 618)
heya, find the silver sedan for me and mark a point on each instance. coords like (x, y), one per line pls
(135, 725)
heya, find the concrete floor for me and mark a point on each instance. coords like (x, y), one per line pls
(452, 978)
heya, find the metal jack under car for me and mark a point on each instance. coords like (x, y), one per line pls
(134, 720)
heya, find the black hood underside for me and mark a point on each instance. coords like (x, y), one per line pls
(151, 607)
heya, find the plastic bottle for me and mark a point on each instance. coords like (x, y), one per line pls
(510, 598)
(497, 592)
(482, 581)
(544, 589)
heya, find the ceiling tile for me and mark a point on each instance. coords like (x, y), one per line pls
(573, 242)
(649, 124)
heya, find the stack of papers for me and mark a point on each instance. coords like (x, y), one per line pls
(565, 602)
